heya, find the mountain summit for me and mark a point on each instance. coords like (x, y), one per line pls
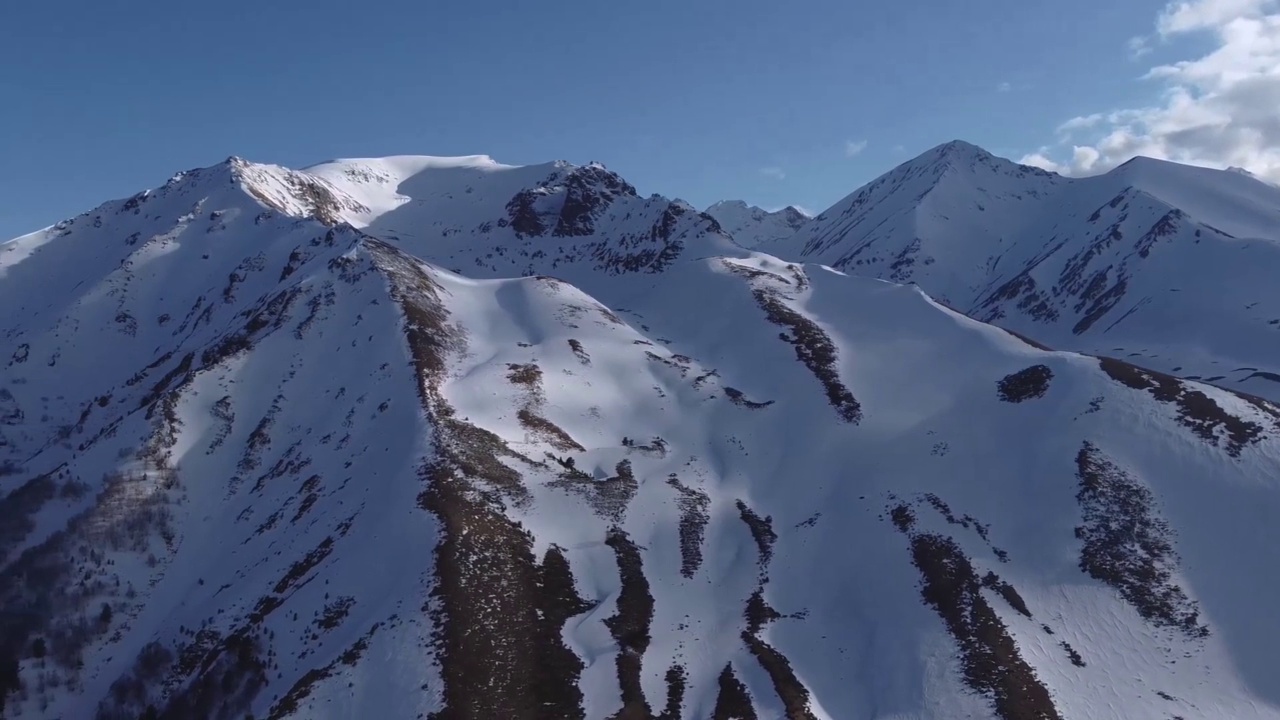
(443, 438)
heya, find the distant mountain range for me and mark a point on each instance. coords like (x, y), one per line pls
(1164, 263)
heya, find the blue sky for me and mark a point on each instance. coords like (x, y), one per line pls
(703, 100)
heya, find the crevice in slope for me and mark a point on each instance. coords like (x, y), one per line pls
(694, 506)
(301, 690)
(814, 349)
(609, 497)
(733, 702)
(229, 678)
(1128, 546)
(20, 505)
(580, 351)
(762, 532)
(1006, 591)
(630, 625)
(737, 397)
(903, 513)
(793, 694)
(1196, 411)
(990, 661)
(228, 671)
(497, 613)
(1027, 384)
(529, 376)
(676, 678)
(1035, 303)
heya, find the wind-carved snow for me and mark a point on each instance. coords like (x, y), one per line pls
(317, 472)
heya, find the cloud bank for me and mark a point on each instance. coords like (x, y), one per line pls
(1221, 109)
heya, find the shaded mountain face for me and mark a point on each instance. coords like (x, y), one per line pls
(751, 226)
(1166, 264)
(265, 452)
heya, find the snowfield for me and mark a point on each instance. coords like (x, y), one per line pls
(443, 438)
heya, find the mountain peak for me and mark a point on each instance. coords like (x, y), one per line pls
(1143, 167)
(965, 156)
(958, 148)
(1143, 162)
(956, 153)
(595, 173)
(729, 205)
(742, 205)
(751, 225)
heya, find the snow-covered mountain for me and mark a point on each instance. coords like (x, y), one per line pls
(751, 226)
(1168, 264)
(443, 438)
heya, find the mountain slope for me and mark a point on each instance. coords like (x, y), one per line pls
(1160, 262)
(309, 471)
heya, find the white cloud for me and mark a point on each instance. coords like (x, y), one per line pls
(1080, 123)
(1085, 157)
(1041, 160)
(1004, 87)
(776, 173)
(1191, 15)
(1139, 46)
(854, 147)
(1217, 110)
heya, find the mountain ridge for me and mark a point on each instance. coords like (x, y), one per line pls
(232, 404)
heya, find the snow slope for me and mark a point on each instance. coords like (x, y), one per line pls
(266, 453)
(1164, 263)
